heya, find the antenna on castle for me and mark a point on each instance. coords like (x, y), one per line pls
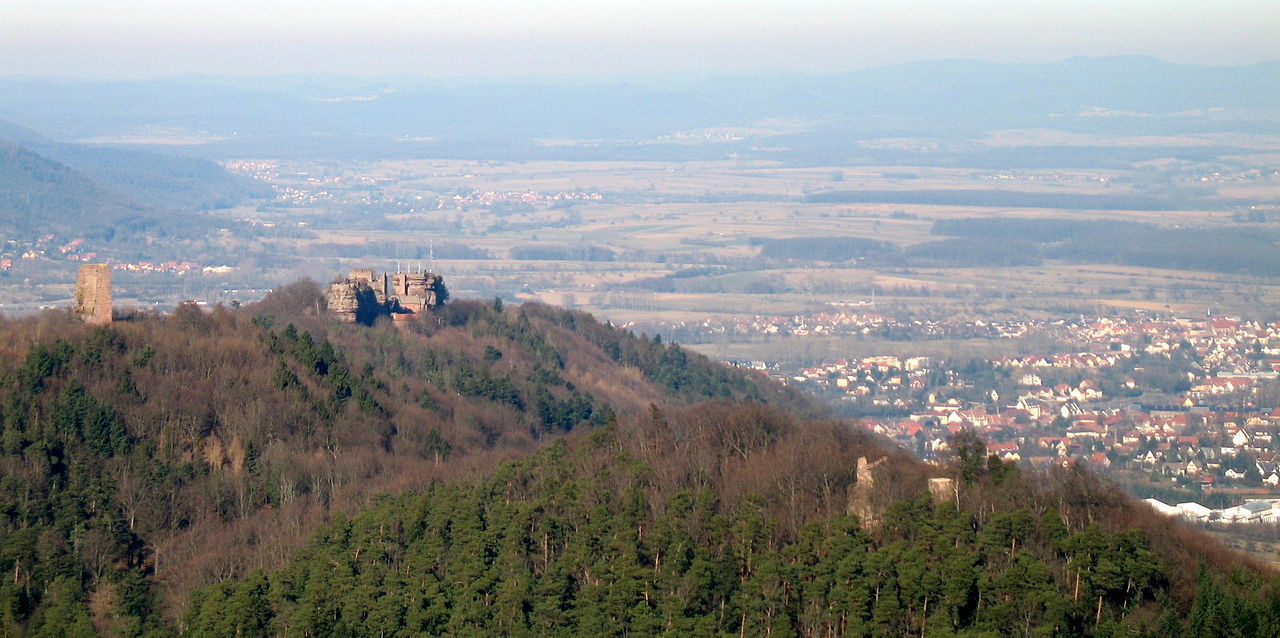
(431, 254)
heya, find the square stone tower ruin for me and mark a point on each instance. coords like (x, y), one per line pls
(93, 293)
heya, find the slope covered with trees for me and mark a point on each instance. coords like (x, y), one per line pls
(38, 194)
(156, 179)
(108, 194)
(727, 519)
(143, 459)
(527, 471)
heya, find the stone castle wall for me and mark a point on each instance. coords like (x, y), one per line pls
(364, 295)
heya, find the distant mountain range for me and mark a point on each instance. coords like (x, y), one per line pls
(105, 193)
(809, 115)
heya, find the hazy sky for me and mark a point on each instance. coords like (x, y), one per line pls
(133, 38)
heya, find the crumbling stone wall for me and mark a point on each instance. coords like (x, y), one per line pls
(860, 493)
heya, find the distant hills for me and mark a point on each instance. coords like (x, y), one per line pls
(16, 134)
(810, 116)
(161, 180)
(39, 195)
(106, 193)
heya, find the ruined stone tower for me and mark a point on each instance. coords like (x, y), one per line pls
(860, 493)
(93, 293)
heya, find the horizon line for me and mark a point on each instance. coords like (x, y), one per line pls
(686, 74)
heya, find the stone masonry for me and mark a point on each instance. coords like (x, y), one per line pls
(364, 295)
(93, 294)
(860, 493)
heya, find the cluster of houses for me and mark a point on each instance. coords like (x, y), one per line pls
(1097, 341)
(1220, 427)
(309, 195)
(1207, 449)
(44, 246)
(179, 267)
(32, 250)
(842, 323)
(883, 375)
(537, 199)
(48, 247)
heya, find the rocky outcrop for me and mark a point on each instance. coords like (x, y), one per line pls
(343, 301)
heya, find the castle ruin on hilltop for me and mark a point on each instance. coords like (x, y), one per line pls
(364, 295)
(93, 294)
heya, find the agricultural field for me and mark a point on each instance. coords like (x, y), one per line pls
(656, 244)
(667, 246)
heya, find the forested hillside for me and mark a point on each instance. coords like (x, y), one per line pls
(108, 194)
(155, 179)
(528, 471)
(141, 460)
(727, 519)
(39, 195)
